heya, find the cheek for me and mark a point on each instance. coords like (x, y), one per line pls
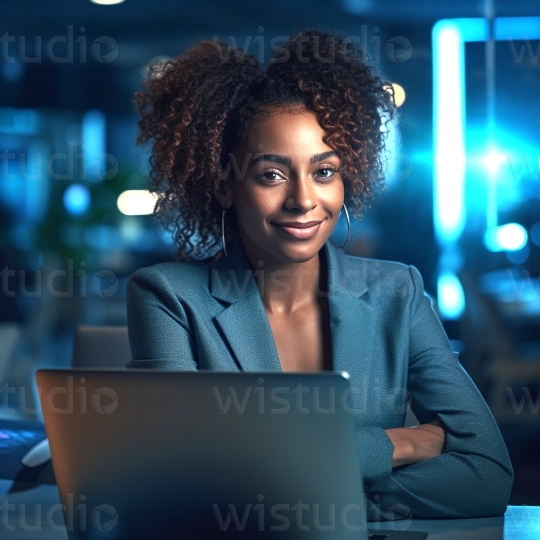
(333, 199)
(255, 204)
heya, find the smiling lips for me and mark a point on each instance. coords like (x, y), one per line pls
(300, 230)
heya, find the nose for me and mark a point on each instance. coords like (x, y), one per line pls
(301, 195)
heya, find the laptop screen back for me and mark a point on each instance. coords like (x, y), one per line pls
(167, 454)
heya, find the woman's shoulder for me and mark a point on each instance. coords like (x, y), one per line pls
(387, 283)
(174, 275)
(372, 271)
(375, 264)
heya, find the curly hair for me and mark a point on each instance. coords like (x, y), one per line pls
(196, 108)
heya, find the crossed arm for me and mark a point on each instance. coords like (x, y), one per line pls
(455, 463)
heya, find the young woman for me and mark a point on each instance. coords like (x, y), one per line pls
(262, 164)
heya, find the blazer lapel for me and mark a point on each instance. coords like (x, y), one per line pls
(352, 321)
(244, 322)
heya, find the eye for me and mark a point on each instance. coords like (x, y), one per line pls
(327, 171)
(270, 176)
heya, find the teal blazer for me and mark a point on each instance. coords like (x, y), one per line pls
(384, 333)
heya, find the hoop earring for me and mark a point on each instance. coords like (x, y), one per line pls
(223, 231)
(348, 230)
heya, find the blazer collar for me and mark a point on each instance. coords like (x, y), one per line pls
(231, 276)
(245, 323)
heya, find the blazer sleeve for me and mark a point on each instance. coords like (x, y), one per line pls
(158, 325)
(473, 476)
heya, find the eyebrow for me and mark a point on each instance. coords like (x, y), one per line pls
(286, 160)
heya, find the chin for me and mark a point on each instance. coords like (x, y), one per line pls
(297, 253)
(283, 249)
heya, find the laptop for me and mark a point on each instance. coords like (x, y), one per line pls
(144, 454)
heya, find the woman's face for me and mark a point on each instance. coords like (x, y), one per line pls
(286, 178)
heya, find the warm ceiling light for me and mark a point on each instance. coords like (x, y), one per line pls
(399, 94)
(136, 202)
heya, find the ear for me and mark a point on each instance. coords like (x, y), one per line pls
(224, 193)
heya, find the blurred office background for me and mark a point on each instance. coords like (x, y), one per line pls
(462, 201)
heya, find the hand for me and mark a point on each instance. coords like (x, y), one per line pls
(429, 440)
(416, 444)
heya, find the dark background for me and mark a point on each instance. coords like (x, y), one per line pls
(44, 102)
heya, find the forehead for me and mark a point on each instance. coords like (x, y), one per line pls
(288, 132)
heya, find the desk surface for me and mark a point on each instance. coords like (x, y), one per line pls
(36, 514)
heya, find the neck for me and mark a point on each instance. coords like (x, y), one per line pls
(286, 287)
